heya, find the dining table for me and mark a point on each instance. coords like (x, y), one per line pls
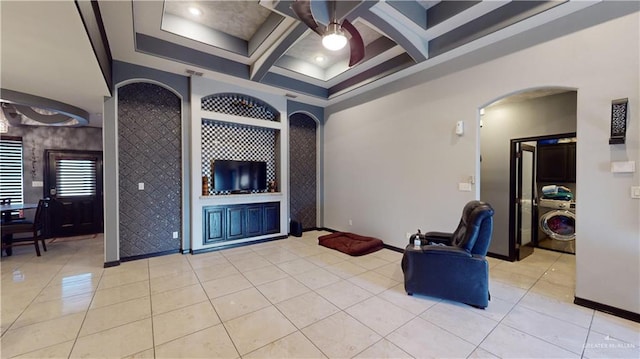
(7, 209)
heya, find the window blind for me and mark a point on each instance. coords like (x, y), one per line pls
(11, 170)
(75, 177)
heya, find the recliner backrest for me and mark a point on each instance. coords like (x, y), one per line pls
(475, 228)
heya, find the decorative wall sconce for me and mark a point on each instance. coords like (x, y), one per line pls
(619, 110)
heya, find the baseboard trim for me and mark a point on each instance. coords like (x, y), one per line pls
(235, 245)
(111, 264)
(622, 313)
(395, 249)
(150, 255)
(185, 251)
(500, 256)
(328, 229)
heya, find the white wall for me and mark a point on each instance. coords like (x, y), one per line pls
(394, 164)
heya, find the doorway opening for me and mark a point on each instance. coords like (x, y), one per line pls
(509, 127)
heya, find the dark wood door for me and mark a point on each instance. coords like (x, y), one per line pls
(73, 182)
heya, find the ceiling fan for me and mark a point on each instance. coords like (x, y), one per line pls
(333, 36)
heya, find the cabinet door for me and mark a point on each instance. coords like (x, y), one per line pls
(571, 162)
(214, 223)
(235, 222)
(552, 163)
(254, 220)
(271, 218)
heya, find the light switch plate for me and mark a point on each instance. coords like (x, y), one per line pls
(141, 186)
(623, 166)
(175, 235)
(635, 192)
(464, 187)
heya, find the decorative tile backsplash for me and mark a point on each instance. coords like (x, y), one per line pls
(240, 105)
(225, 141)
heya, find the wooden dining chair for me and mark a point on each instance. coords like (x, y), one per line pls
(35, 230)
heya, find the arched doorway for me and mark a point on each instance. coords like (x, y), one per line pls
(507, 125)
(303, 176)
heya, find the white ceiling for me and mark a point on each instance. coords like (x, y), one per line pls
(46, 52)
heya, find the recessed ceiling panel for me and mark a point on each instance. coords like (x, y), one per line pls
(237, 18)
(310, 51)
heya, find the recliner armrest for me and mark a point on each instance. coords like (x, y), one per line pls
(445, 250)
(438, 237)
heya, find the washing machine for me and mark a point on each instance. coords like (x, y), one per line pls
(557, 225)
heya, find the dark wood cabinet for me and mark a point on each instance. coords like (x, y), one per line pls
(271, 218)
(213, 221)
(556, 162)
(235, 222)
(230, 222)
(254, 220)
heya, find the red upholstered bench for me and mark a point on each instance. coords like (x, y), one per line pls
(350, 243)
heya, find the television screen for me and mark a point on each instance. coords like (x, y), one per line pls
(230, 175)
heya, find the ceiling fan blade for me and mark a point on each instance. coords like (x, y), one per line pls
(302, 9)
(356, 44)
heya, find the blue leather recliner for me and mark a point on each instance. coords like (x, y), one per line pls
(453, 265)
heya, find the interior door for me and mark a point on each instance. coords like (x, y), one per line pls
(525, 199)
(73, 182)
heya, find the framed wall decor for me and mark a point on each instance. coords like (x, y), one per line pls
(619, 110)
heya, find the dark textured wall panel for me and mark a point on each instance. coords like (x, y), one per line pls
(149, 150)
(302, 165)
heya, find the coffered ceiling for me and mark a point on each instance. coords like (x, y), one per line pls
(265, 43)
(261, 44)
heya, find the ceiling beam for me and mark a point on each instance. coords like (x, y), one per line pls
(412, 10)
(186, 55)
(389, 21)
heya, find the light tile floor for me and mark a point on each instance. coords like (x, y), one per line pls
(289, 299)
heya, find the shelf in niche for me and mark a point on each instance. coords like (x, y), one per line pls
(233, 119)
(242, 195)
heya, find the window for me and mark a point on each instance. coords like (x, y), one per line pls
(11, 169)
(76, 177)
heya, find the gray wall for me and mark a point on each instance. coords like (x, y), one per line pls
(500, 124)
(302, 169)
(37, 139)
(149, 152)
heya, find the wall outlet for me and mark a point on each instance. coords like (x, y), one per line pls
(141, 186)
(635, 192)
(175, 235)
(350, 222)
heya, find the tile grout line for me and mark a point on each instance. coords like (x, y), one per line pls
(515, 305)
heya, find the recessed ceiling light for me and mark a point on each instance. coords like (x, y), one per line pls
(319, 58)
(195, 11)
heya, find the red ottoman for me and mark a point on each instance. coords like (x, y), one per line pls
(350, 243)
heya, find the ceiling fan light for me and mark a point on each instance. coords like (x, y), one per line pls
(195, 11)
(334, 38)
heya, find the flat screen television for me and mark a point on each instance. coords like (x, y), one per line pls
(239, 176)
